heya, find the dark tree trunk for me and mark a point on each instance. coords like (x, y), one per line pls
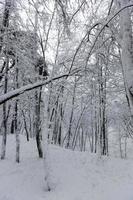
(38, 122)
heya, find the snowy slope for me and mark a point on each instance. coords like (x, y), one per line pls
(74, 176)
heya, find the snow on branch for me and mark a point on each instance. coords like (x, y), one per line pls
(104, 26)
(17, 92)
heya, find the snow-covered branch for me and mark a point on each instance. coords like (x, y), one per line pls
(17, 92)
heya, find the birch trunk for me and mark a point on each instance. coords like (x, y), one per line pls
(4, 139)
(16, 120)
(127, 50)
(5, 25)
(45, 132)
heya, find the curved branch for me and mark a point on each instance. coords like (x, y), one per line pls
(103, 27)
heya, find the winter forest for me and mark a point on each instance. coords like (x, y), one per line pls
(66, 99)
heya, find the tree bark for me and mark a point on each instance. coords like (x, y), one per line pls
(127, 50)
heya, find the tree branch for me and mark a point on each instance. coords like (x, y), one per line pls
(18, 92)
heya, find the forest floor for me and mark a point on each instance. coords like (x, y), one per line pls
(73, 175)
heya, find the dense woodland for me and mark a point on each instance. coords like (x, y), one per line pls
(66, 75)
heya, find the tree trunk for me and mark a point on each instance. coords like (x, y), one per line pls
(5, 114)
(16, 121)
(127, 50)
(5, 25)
(38, 124)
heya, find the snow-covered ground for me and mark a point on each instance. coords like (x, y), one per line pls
(73, 175)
